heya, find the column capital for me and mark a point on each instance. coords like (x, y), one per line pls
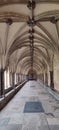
(9, 21)
(53, 20)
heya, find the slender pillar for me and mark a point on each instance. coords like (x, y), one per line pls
(46, 79)
(57, 27)
(18, 78)
(13, 79)
(56, 22)
(2, 82)
(21, 77)
(43, 77)
(10, 79)
(51, 80)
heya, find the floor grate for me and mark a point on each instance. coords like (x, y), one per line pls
(33, 107)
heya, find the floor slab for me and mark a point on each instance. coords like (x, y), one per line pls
(32, 108)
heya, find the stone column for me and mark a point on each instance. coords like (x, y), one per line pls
(51, 80)
(57, 26)
(21, 77)
(13, 79)
(56, 22)
(43, 77)
(1, 82)
(46, 78)
(18, 78)
(10, 78)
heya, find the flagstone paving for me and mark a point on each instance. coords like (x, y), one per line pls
(32, 108)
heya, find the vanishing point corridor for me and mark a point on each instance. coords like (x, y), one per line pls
(32, 108)
(29, 64)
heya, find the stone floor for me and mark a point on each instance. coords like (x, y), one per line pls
(33, 108)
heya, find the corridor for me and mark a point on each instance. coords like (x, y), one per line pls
(32, 108)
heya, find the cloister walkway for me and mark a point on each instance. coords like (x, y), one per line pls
(32, 108)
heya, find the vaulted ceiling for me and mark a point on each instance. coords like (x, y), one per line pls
(3, 2)
(29, 34)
